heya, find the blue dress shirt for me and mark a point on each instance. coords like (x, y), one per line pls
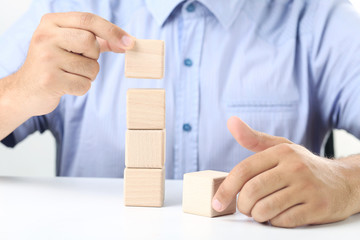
(286, 67)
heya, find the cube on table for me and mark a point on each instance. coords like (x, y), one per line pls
(198, 191)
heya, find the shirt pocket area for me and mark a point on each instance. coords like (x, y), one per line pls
(261, 105)
(278, 117)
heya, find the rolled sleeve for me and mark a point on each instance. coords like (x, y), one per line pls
(9, 141)
(39, 123)
(14, 44)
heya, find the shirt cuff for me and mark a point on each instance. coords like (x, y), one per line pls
(9, 141)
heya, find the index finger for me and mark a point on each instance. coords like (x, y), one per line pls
(240, 174)
(102, 28)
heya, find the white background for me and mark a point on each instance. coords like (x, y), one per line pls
(36, 155)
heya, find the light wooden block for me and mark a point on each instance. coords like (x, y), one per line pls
(145, 148)
(198, 191)
(144, 187)
(145, 109)
(145, 59)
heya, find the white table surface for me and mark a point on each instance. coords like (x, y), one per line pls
(86, 208)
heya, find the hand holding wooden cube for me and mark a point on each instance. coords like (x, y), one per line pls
(198, 191)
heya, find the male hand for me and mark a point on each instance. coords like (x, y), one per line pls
(62, 58)
(286, 184)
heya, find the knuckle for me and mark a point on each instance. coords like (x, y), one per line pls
(252, 188)
(90, 69)
(299, 167)
(243, 170)
(309, 188)
(88, 39)
(86, 87)
(114, 31)
(290, 220)
(46, 81)
(89, 45)
(276, 202)
(284, 222)
(83, 66)
(242, 204)
(296, 220)
(276, 222)
(97, 49)
(81, 87)
(276, 178)
(323, 206)
(97, 53)
(86, 19)
(260, 211)
(69, 36)
(40, 36)
(285, 148)
(284, 140)
(95, 70)
(279, 223)
(46, 57)
(46, 17)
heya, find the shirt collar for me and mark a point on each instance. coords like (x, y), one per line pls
(161, 9)
(225, 11)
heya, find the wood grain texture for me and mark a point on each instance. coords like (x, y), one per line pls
(146, 109)
(144, 187)
(198, 191)
(145, 148)
(145, 59)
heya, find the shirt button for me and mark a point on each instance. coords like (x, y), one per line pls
(188, 62)
(187, 127)
(190, 7)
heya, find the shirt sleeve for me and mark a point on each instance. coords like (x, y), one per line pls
(14, 44)
(335, 60)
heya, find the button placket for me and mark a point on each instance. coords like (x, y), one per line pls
(192, 41)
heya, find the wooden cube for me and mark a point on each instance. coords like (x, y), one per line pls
(145, 59)
(144, 187)
(146, 109)
(198, 191)
(145, 148)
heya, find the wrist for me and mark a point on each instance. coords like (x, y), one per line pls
(14, 98)
(350, 170)
(13, 106)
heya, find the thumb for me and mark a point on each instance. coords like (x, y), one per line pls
(106, 46)
(251, 139)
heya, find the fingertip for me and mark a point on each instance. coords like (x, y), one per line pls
(217, 205)
(222, 197)
(239, 128)
(127, 42)
(232, 120)
(233, 126)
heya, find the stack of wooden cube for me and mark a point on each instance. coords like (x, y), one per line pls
(144, 176)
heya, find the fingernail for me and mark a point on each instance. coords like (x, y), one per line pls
(216, 204)
(127, 41)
